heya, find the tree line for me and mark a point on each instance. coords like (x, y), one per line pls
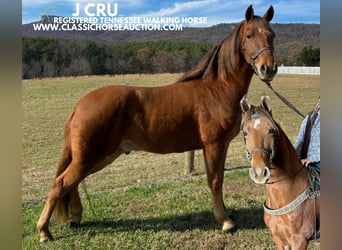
(50, 57)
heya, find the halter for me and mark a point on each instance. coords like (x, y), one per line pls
(255, 56)
(269, 153)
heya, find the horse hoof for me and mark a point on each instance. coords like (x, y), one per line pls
(74, 224)
(228, 227)
(46, 239)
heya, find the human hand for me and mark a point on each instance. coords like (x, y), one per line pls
(306, 161)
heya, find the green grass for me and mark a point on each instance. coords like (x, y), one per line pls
(175, 215)
(143, 200)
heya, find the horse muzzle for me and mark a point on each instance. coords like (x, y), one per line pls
(263, 64)
(259, 175)
(266, 72)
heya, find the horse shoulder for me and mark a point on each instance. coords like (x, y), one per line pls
(219, 116)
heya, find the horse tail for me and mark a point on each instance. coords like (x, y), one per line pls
(62, 206)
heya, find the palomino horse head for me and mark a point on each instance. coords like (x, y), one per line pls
(261, 136)
(257, 43)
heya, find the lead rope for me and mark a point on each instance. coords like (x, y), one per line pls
(284, 100)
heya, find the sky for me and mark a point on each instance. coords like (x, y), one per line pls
(216, 11)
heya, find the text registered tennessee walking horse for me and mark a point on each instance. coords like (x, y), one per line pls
(200, 110)
(291, 209)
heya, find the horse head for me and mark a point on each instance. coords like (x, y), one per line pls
(257, 43)
(260, 135)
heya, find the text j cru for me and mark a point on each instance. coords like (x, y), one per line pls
(96, 9)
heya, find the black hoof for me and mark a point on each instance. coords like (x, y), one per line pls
(233, 230)
(74, 224)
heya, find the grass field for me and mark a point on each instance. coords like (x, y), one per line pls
(143, 200)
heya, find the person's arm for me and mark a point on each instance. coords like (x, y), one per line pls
(300, 137)
(314, 147)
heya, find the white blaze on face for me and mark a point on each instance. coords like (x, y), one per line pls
(256, 123)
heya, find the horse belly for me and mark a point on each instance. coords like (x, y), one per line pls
(161, 142)
(128, 146)
(157, 121)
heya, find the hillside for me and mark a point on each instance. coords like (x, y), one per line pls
(307, 34)
(71, 53)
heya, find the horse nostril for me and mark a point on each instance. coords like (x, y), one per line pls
(264, 69)
(266, 173)
(275, 68)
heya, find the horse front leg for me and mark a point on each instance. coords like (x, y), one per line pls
(215, 155)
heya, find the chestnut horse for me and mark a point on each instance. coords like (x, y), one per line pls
(291, 209)
(199, 111)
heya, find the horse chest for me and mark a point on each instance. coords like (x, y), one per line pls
(216, 126)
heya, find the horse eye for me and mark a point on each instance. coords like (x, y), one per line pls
(272, 131)
(244, 133)
(249, 36)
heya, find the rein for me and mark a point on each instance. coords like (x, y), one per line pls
(283, 99)
(287, 177)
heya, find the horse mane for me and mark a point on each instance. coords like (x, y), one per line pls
(219, 61)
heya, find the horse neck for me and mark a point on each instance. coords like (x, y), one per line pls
(224, 65)
(287, 168)
(233, 67)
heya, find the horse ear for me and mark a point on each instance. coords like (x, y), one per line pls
(265, 103)
(245, 106)
(269, 14)
(249, 13)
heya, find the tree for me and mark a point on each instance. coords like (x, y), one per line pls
(309, 56)
(96, 57)
(144, 56)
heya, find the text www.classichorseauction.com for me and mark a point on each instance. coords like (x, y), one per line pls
(105, 17)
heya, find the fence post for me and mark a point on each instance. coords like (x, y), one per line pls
(189, 162)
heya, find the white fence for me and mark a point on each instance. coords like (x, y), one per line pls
(299, 70)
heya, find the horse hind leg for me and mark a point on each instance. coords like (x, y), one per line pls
(61, 198)
(76, 208)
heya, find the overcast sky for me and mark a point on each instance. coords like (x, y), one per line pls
(216, 11)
